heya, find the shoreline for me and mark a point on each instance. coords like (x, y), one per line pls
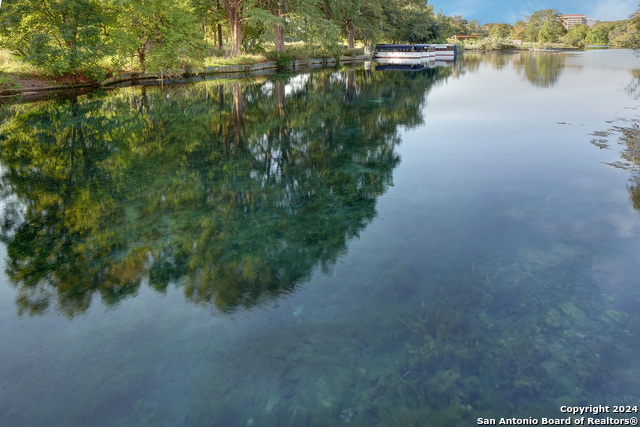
(128, 79)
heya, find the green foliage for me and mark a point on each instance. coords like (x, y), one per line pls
(599, 34)
(489, 43)
(253, 45)
(520, 30)
(282, 59)
(625, 36)
(409, 21)
(162, 34)
(61, 37)
(7, 82)
(546, 33)
(544, 25)
(576, 35)
(244, 59)
(503, 31)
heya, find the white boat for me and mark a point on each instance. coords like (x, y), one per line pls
(445, 52)
(428, 51)
(398, 51)
(416, 51)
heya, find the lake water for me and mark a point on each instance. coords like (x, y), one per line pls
(349, 246)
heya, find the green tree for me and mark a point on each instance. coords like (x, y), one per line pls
(61, 36)
(520, 30)
(552, 30)
(576, 35)
(161, 34)
(236, 16)
(345, 13)
(409, 21)
(212, 16)
(625, 34)
(299, 19)
(599, 34)
(546, 33)
(499, 30)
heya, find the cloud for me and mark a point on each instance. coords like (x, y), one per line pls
(611, 10)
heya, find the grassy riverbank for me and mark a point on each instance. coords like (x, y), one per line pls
(18, 74)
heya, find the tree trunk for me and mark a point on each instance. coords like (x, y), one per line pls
(234, 16)
(327, 10)
(279, 26)
(279, 38)
(351, 34)
(141, 56)
(220, 36)
(236, 36)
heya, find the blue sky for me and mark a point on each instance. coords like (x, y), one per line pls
(510, 11)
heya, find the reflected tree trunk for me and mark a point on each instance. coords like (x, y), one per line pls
(280, 97)
(350, 94)
(236, 126)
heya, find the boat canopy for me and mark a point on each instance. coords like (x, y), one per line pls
(394, 46)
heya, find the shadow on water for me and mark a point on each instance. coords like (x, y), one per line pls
(235, 191)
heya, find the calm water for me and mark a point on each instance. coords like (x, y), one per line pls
(340, 247)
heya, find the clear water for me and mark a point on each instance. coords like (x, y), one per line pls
(338, 247)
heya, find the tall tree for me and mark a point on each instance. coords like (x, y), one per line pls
(576, 35)
(61, 36)
(344, 13)
(162, 33)
(235, 10)
(553, 29)
(410, 21)
(212, 15)
(501, 30)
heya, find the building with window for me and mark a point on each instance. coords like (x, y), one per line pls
(570, 20)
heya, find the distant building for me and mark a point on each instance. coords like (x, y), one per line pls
(570, 20)
(591, 22)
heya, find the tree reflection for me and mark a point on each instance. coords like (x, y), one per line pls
(630, 140)
(233, 191)
(628, 136)
(542, 70)
(633, 88)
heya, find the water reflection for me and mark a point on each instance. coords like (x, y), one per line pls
(541, 69)
(626, 133)
(633, 88)
(497, 280)
(235, 191)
